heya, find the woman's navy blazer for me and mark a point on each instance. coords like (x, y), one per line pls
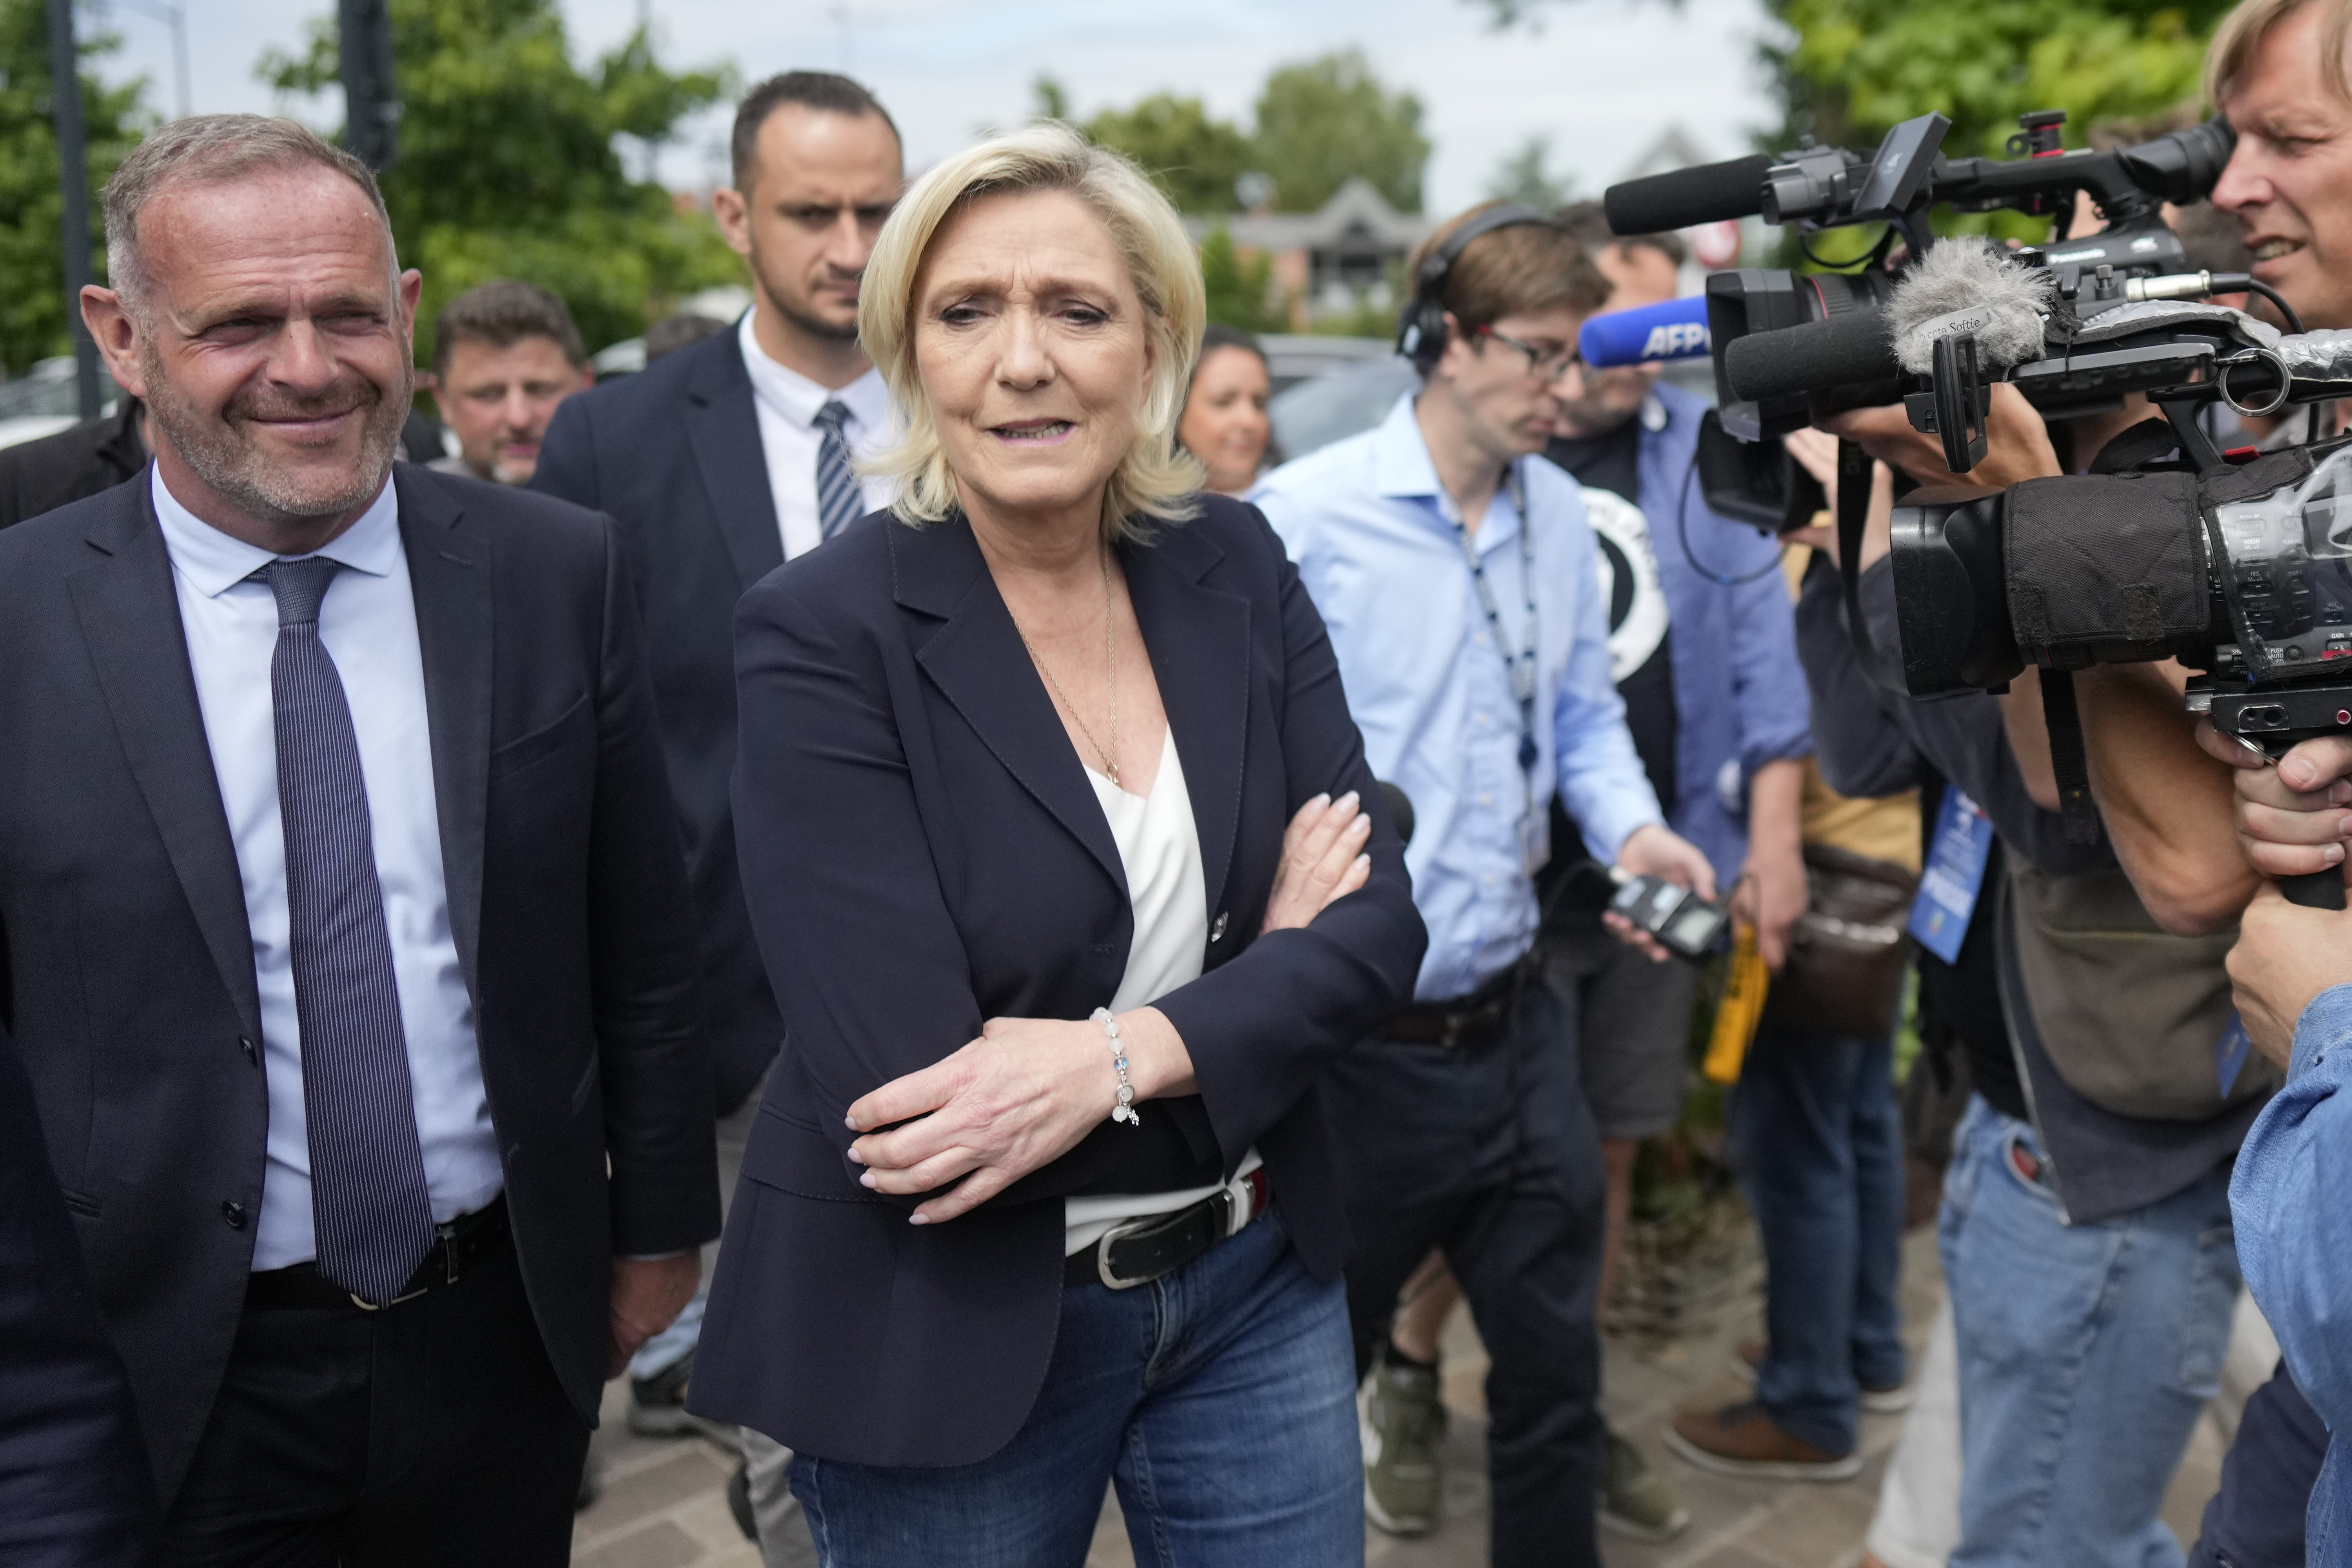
(922, 851)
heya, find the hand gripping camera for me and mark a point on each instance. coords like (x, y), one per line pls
(2237, 564)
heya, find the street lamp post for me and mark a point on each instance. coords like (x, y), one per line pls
(73, 186)
(370, 97)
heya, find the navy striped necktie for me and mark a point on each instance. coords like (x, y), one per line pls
(838, 503)
(371, 1213)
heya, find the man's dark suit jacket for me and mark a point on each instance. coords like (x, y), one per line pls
(923, 852)
(80, 460)
(75, 1490)
(672, 455)
(129, 978)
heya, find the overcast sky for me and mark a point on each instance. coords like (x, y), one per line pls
(1601, 78)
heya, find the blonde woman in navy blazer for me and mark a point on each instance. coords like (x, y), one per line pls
(1057, 732)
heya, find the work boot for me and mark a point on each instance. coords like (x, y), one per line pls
(1744, 1440)
(1402, 1424)
(1889, 1401)
(1635, 1500)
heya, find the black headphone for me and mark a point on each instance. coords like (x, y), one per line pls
(1420, 326)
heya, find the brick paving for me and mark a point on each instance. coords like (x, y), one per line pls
(663, 1502)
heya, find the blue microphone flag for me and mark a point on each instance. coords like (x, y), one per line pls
(1673, 330)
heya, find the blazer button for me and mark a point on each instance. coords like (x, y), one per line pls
(1217, 929)
(252, 1052)
(233, 1214)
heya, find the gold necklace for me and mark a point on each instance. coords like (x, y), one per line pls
(1110, 670)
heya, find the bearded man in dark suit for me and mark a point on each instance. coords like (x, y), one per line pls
(345, 925)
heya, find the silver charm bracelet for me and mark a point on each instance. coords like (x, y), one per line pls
(1125, 1109)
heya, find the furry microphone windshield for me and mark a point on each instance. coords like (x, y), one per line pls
(1969, 285)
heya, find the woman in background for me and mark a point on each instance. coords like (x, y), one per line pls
(1224, 423)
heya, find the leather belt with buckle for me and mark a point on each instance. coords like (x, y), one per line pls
(1466, 1020)
(1137, 1251)
(459, 1247)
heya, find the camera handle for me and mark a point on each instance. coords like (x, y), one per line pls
(2315, 889)
(2272, 721)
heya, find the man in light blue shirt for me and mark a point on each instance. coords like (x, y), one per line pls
(1456, 575)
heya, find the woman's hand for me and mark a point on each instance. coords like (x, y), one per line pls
(1020, 1097)
(1322, 860)
(2291, 817)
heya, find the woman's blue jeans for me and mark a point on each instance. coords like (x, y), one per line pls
(1819, 1143)
(1220, 1400)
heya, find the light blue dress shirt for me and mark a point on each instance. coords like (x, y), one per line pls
(1375, 544)
(2291, 1205)
(368, 622)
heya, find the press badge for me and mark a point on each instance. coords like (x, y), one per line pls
(1955, 875)
(2230, 1054)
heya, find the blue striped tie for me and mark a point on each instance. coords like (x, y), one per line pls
(838, 503)
(371, 1214)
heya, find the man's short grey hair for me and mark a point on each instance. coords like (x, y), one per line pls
(213, 148)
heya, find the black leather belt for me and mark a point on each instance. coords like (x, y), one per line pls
(1137, 1251)
(1464, 1020)
(459, 1247)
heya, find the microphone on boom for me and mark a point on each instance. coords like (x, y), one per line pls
(1709, 193)
(1966, 285)
(1671, 329)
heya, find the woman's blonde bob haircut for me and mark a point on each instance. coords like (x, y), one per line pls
(1156, 479)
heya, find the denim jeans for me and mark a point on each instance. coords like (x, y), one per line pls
(1819, 1144)
(1219, 1399)
(1487, 1150)
(2086, 1353)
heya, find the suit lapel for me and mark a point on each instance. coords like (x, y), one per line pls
(978, 661)
(724, 423)
(449, 576)
(1199, 640)
(130, 616)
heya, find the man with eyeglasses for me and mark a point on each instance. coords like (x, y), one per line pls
(1456, 573)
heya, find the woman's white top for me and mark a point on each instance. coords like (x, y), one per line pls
(1160, 847)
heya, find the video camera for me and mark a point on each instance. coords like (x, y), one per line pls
(1789, 347)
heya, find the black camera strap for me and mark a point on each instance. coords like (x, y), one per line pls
(1853, 521)
(2068, 760)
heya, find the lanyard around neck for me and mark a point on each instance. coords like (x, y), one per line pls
(1522, 664)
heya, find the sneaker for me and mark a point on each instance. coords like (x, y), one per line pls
(658, 1406)
(1892, 1401)
(1403, 1423)
(1744, 1440)
(1635, 1500)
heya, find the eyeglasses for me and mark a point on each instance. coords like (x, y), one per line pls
(1546, 364)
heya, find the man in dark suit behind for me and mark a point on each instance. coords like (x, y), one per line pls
(709, 462)
(79, 460)
(343, 909)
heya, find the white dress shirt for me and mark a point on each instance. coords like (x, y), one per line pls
(788, 402)
(1160, 850)
(368, 623)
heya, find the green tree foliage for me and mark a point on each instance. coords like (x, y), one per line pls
(1241, 293)
(1323, 121)
(1526, 177)
(508, 167)
(32, 271)
(1848, 70)
(1195, 159)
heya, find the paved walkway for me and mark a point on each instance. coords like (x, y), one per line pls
(663, 1504)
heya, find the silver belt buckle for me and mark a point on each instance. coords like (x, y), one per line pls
(1102, 1250)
